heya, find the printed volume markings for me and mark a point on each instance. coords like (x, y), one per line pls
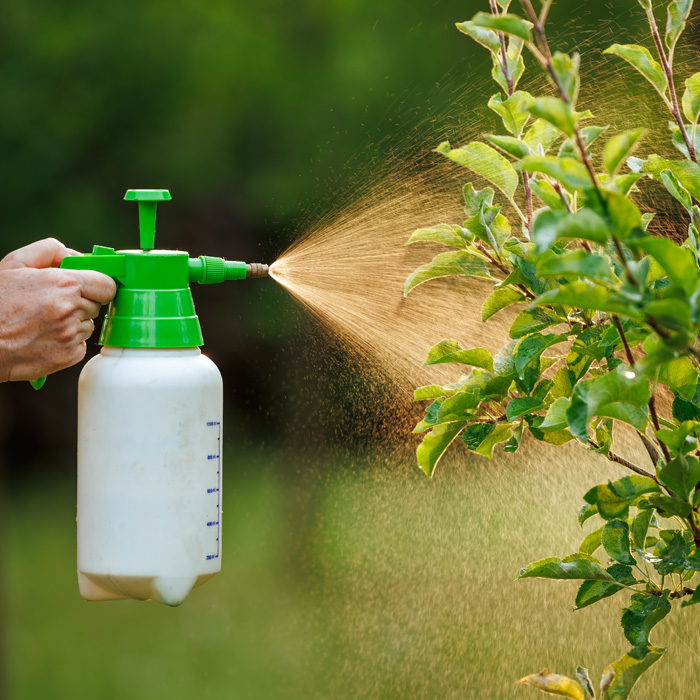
(217, 521)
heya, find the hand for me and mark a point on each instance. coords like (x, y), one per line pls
(46, 313)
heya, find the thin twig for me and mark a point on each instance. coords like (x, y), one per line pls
(623, 338)
(675, 111)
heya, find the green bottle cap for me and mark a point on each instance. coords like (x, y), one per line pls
(153, 306)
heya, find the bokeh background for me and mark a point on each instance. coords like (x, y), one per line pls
(346, 573)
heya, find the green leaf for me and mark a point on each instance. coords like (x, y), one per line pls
(459, 262)
(531, 348)
(549, 226)
(512, 146)
(547, 193)
(566, 69)
(558, 113)
(513, 111)
(693, 600)
(622, 674)
(685, 171)
(508, 24)
(432, 391)
(691, 99)
(678, 263)
(483, 437)
(521, 406)
(640, 527)
(619, 148)
(642, 615)
(681, 439)
(596, 397)
(486, 162)
(575, 566)
(585, 681)
(476, 200)
(587, 511)
(592, 541)
(614, 498)
(555, 419)
(674, 187)
(591, 592)
(678, 12)
(586, 295)
(620, 213)
(578, 263)
(640, 58)
(542, 135)
(449, 351)
(442, 233)
(569, 172)
(486, 37)
(681, 475)
(435, 444)
(498, 300)
(616, 541)
(531, 321)
(555, 684)
(671, 506)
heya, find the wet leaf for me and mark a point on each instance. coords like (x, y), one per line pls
(508, 24)
(640, 58)
(624, 673)
(678, 263)
(486, 162)
(498, 300)
(442, 233)
(531, 321)
(587, 511)
(608, 395)
(578, 263)
(450, 351)
(671, 506)
(686, 172)
(616, 541)
(509, 144)
(619, 148)
(575, 566)
(592, 541)
(521, 406)
(614, 498)
(558, 113)
(550, 226)
(513, 111)
(642, 615)
(532, 347)
(568, 171)
(555, 419)
(459, 263)
(554, 684)
(585, 681)
(678, 11)
(691, 99)
(640, 527)
(435, 444)
(681, 475)
(486, 37)
(591, 592)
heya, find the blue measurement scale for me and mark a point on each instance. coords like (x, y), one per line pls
(214, 458)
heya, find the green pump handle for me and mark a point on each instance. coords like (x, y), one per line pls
(153, 282)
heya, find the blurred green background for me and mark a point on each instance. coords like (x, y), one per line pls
(346, 573)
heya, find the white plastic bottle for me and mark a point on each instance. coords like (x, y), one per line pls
(149, 474)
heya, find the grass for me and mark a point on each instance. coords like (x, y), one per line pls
(342, 579)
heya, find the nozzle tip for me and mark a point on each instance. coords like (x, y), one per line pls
(257, 270)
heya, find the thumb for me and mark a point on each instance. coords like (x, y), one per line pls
(46, 253)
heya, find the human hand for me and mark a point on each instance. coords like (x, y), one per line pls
(46, 313)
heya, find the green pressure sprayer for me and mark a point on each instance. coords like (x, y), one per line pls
(150, 439)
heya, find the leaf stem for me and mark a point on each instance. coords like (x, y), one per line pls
(675, 111)
(622, 461)
(623, 338)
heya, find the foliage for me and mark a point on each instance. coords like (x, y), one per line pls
(607, 319)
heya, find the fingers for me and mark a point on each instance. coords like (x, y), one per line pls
(88, 309)
(94, 286)
(46, 253)
(87, 328)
